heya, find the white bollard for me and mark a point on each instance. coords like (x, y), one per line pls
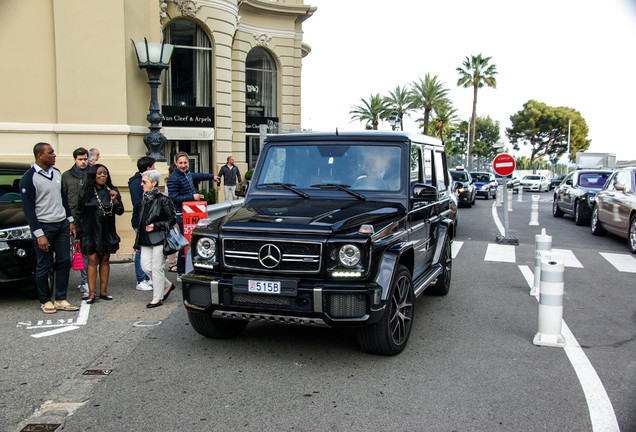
(551, 301)
(509, 200)
(520, 194)
(499, 196)
(534, 211)
(542, 245)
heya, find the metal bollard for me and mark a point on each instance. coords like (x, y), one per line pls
(499, 196)
(542, 245)
(534, 211)
(520, 194)
(509, 200)
(551, 301)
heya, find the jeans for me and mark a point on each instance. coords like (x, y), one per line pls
(230, 192)
(139, 273)
(58, 235)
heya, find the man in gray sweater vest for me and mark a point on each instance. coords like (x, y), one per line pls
(49, 216)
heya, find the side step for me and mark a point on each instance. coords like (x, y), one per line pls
(425, 280)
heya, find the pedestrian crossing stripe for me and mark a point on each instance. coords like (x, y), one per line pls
(621, 262)
(570, 259)
(500, 253)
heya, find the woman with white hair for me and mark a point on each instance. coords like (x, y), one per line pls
(156, 217)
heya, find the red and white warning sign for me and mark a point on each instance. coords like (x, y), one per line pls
(193, 211)
(504, 164)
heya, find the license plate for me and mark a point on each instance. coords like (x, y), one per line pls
(263, 287)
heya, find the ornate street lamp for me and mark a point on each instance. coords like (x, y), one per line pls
(394, 120)
(154, 57)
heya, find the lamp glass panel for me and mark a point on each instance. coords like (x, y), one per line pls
(140, 47)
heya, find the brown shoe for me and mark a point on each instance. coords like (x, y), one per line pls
(65, 306)
(48, 308)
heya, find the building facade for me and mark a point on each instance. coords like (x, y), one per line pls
(71, 78)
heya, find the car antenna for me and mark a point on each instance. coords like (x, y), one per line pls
(336, 131)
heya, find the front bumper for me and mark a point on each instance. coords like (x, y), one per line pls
(17, 262)
(333, 304)
(532, 187)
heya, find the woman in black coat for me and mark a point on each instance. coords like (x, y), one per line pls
(156, 216)
(99, 201)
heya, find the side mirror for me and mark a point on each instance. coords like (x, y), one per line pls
(568, 182)
(424, 192)
(620, 188)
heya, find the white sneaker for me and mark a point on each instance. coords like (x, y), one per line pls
(179, 277)
(144, 286)
(83, 288)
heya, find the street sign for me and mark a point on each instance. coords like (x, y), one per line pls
(504, 164)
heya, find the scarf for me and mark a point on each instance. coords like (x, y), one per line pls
(149, 196)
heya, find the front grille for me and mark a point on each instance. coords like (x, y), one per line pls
(287, 256)
(250, 299)
(302, 302)
(346, 305)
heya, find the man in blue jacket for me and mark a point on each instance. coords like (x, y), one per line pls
(46, 208)
(144, 164)
(181, 189)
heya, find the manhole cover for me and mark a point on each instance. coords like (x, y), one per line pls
(41, 427)
(97, 372)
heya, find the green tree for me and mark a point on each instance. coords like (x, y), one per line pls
(487, 134)
(371, 111)
(545, 129)
(399, 99)
(476, 72)
(428, 95)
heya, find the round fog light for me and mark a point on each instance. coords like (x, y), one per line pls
(20, 252)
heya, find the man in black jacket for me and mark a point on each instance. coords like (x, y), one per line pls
(144, 164)
(72, 182)
(231, 174)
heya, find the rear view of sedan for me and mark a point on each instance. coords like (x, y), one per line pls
(615, 207)
(17, 256)
(577, 193)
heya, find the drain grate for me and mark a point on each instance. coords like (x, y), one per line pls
(41, 427)
(97, 372)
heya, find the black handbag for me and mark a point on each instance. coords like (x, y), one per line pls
(174, 241)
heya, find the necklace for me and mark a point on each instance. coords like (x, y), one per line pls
(107, 210)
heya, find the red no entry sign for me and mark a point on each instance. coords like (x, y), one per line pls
(504, 164)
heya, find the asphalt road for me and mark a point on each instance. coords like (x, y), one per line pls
(470, 364)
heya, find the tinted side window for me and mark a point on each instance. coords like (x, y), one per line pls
(440, 172)
(416, 163)
(428, 165)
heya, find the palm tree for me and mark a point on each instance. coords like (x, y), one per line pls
(476, 73)
(427, 95)
(445, 115)
(399, 99)
(371, 111)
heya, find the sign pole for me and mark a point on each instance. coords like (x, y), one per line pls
(504, 165)
(505, 206)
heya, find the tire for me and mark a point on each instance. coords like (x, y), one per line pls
(631, 235)
(578, 216)
(488, 195)
(390, 335)
(473, 201)
(442, 286)
(215, 328)
(556, 211)
(595, 225)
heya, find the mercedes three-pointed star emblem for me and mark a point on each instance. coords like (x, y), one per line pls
(269, 255)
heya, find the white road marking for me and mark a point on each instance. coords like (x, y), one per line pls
(495, 216)
(600, 407)
(529, 276)
(621, 262)
(456, 246)
(82, 317)
(569, 257)
(54, 332)
(500, 253)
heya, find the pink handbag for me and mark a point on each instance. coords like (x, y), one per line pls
(78, 259)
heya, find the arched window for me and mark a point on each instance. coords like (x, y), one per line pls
(188, 82)
(260, 81)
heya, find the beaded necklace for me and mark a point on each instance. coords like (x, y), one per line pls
(107, 210)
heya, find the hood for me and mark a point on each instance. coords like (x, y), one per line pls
(313, 216)
(11, 215)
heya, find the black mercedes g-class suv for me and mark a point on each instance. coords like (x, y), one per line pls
(340, 229)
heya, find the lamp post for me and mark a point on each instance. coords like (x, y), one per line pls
(394, 120)
(154, 57)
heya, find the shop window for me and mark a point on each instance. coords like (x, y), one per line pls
(260, 82)
(188, 81)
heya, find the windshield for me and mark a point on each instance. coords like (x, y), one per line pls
(358, 167)
(593, 180)
(532, 177)
(480, 177)
(10, 185)
(459, 175)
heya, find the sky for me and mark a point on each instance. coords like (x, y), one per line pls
(579, 54)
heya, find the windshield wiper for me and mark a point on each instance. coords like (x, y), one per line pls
(340, 187)
(288, 186)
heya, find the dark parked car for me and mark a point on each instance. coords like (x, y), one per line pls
(556, 181)
(513, 181)
(576, 194)
(486, 184)
(17, 257)
(615, 207)
(337, 230)
(463, 184)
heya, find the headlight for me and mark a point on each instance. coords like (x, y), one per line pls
(461, 190)
(19, 233)
(484, 187)
(349, 255)
(206, 248)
